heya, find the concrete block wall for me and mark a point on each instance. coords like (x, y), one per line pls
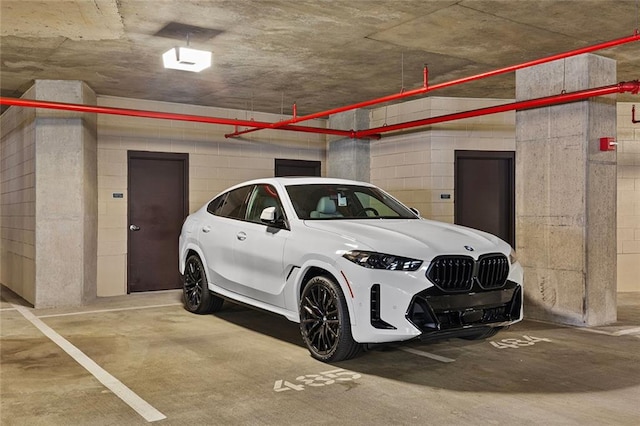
(349, 158)
(17, 200)
(418, 167)
(628, 138)
(48, 198)
(214, 164)
(66, 197)
(566, 194)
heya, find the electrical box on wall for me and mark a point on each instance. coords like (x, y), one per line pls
(608, 144)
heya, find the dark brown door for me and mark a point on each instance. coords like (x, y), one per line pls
(485, 192)
(158, 204)
(285, 167)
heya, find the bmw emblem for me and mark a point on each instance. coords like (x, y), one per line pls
(468, 248)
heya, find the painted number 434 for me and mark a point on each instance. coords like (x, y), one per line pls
(519, 343)
(316, 380)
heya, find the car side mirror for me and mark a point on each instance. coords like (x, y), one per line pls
(268, 215)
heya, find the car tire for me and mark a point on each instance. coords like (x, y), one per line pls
(196, 295)
(324, 321)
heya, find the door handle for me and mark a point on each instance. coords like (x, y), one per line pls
(206, 229)
(134, 227)
(241, 236)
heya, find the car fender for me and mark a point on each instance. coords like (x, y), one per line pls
(191, 246)
(328, 265)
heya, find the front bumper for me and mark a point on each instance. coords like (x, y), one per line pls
(392, 306)
(436, 313)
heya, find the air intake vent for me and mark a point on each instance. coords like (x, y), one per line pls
(375, 310)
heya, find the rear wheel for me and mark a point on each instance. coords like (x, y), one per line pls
(197, 298)
(324, 321)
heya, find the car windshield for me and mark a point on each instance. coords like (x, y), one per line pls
(335, 201)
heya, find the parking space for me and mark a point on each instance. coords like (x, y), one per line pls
(243, 366)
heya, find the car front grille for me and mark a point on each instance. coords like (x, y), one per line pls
(452, 273)
(493, 271)
(458, 273)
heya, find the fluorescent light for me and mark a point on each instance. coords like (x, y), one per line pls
(186, 59)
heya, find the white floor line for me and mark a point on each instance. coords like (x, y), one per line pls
(130, 398)
(611, 333)
(627, 331)
(592, 330)
(134, 308)
(427, 355)
(7, 309)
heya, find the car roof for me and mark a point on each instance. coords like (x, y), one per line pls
(295, 180)
(303, 180)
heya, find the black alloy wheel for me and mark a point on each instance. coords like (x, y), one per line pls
(197, 298)
(324, 321)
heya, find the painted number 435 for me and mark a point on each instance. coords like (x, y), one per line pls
(316, 380)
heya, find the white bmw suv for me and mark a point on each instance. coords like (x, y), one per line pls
(349, 263)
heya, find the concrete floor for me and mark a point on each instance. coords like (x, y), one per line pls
(247, 367)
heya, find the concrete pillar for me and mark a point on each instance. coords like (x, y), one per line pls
(349, 158)
(566, 194)
(66, 197)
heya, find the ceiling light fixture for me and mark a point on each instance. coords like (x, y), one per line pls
(186, 59)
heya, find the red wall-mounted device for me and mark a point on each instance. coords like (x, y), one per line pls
(608, 144)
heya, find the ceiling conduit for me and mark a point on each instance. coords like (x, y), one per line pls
(370, 133)
(426, 88)
(374, 133)
(164, 115)
(629, 86)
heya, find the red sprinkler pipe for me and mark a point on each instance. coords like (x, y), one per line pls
(401, 95)
(164, 116)
(630, 86)
(426, 88)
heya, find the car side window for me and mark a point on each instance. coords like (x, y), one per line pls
(214, 206)
(232, 204)
(263, 196)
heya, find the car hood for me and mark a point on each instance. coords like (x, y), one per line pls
(412, 238)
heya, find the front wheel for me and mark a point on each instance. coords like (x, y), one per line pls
(324, 321)
(197, 298)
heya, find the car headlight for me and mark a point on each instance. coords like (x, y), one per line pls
(513, 258)
(373, 260)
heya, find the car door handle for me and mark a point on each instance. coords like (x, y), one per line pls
(241, 236)
(134, 227)
(206, 229)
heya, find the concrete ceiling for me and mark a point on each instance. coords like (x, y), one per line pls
(320, 54)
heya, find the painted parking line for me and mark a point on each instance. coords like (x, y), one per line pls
(134, 308)
(427, 355)
(618, 333)
(627, 331)
(129, 397)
